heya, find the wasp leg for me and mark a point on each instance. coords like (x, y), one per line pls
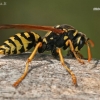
(91, 42)
(65, 66)
(27, 64)
(79, 55)
(89, 52)
(70, 54)
(68, 42)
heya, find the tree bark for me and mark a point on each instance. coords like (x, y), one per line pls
(47, 79)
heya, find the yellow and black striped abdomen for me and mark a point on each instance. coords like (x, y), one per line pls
(20, 42)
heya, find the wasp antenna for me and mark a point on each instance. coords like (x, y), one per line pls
(91, 43)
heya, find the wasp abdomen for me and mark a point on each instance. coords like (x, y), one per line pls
(19, 43)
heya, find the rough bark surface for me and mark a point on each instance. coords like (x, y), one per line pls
(47, 79)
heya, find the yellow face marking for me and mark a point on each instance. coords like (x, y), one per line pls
(75, 33)
(65, 37)
(36, 36)
(11, 45)
(65, 30)
(57, 26)
(76, 49)
(26, 34)
(24, 41)
(70, 29)
(51, 38)
(78, 40)
(44, 40)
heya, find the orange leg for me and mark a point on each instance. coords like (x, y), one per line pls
(27, 65)
(68, 42)
(89, 51)
(79, 55)
(65, 66)
(91, 42)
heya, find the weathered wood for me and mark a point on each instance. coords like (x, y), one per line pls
(48, 80)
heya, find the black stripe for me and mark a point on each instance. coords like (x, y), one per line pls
(31, 38)
(17, 38)
(10, 41)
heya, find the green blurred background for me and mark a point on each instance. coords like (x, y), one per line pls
(78, 13)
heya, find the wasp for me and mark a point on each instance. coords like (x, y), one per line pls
(58, 37)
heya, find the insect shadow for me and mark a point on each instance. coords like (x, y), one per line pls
(24, 56)
(38, 57)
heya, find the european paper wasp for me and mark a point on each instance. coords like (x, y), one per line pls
(60, 36)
